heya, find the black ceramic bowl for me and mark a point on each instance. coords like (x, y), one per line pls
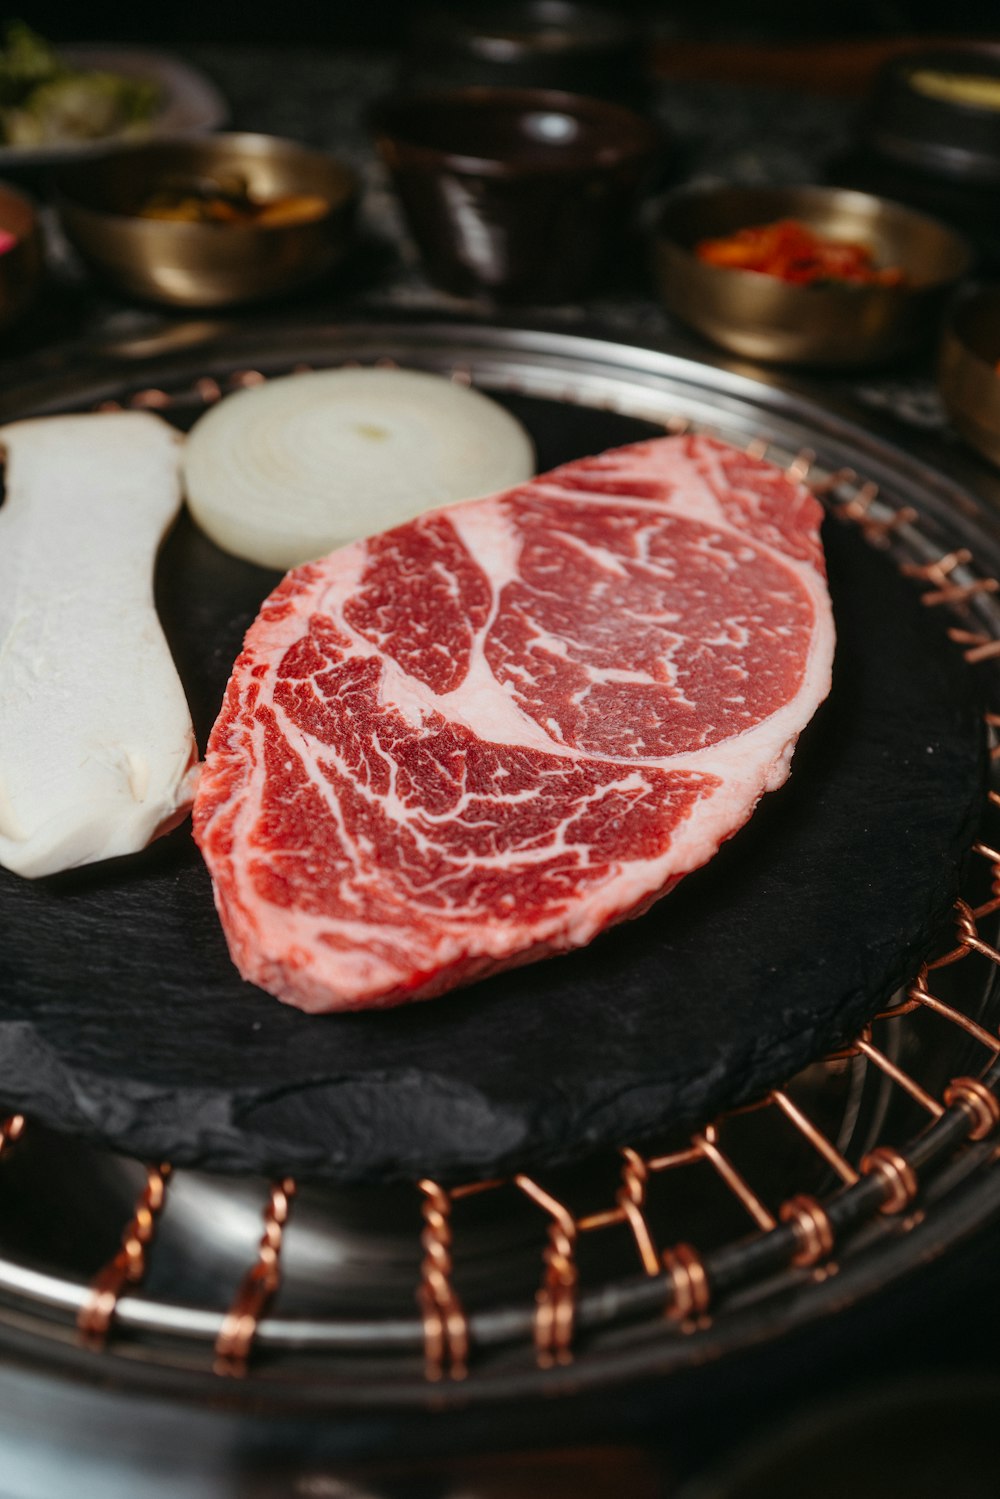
(938, 111)
(522, 194)
(555, 44)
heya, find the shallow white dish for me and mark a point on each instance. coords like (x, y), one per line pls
(190, 104)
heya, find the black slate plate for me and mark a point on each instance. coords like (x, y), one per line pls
(121, 1017)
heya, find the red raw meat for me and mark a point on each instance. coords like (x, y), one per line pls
(484, 736)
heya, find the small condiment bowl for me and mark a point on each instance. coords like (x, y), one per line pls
(937, 110)
(521, 194)
(827, 325)
(20, 254)
(574, 46)
(969, 369)
(207, 264)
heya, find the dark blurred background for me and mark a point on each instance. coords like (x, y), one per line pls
(382, 22)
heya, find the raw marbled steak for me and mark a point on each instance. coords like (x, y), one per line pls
(487, 734)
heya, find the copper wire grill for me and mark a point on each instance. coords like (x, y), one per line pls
(830, 1211)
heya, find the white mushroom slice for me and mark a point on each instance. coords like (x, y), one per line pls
(96, 743)
(283, 472)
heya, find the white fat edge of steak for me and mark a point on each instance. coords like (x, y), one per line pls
(96, 742)
(745, 765)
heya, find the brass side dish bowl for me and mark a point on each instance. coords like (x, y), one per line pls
(20, 254)
(969, 370)
(204, 264)
(825, 325)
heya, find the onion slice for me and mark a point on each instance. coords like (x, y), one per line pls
(285, 471)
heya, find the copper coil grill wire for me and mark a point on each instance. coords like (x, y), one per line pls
(446, 1328)
(128, 1266)
(677, 1282)
(259, 1286)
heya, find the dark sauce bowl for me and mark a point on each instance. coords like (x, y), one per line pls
(577, 48)
(937, 111)
(519, 194)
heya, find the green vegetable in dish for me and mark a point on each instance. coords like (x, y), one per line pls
(26, 60)
(44, 101)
